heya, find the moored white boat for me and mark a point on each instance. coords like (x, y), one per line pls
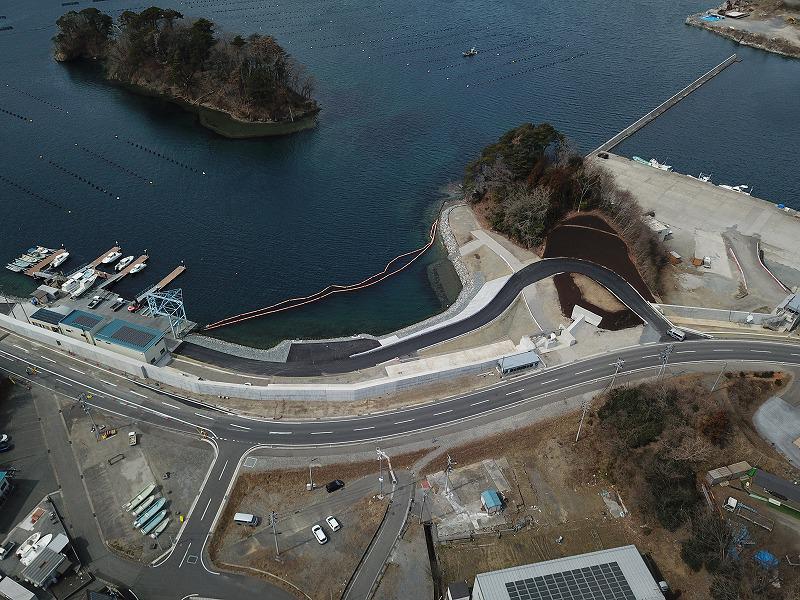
(123, 263)
(84, 285)
(137, 268)
(110, 257)
(59, 260)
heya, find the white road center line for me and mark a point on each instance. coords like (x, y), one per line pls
(363, 428)
(321, 432)
(406, 421)
(223, 471)
(648, 356)
(45, 358)
(20, 347)
(582, 372)
(107, 382)
(178, 408)
(198, 414)
(280, 432)
(444, 412)
(722, 350)
(481, 402)
(761, 351)
(204, 511)
(686, 351)
(62, 382)
(239, 426)
(515, 392)
(137, 394)
(549, 381)
(77, 370)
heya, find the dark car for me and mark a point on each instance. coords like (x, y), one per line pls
(334, 485)
(117, 304)
(6, 446)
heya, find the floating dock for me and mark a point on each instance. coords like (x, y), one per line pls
(665, 106)
(117, 276)
(36, 270)
(161, 284)
(99, 260)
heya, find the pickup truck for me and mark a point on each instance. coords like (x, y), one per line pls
(132, 438)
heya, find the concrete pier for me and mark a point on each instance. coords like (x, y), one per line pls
(665, 106)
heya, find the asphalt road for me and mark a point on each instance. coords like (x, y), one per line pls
(409, 345)
(187, 569)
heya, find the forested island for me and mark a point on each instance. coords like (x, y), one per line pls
(531, 180)
(240, 87)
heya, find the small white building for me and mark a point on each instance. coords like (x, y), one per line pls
(81, 325)
(518, 362)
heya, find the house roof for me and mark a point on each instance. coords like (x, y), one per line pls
(82, 320)
(43, 567)
(45, 315)
(491, 499)
(129, 335)
(520, 360)
(458, 590)
(14, 591)
(777, 485)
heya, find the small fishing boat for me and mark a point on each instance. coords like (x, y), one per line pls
(110, 257)
(59, 260)
(28, 544)
(701, 177)
(153, 522)
(123, 263)
(87, 274)
(30, 555)
(134, 502)
(742, 189)
(84, 285)
(657, 165)
(471, 52)
(137, 268)
(144, 505)
(149, 513)
(160, 529)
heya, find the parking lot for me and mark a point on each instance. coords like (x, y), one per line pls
(27, 458)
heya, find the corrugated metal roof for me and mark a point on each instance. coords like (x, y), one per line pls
(491, 499)
(43, 567)
(82, 320)
(630, 569)
(131, 335)
(523, 359)
(794, 303)
(14, 591)
(777, 485)
(45, 315)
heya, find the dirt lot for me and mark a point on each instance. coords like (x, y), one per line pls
(305, 567)
(558, 484)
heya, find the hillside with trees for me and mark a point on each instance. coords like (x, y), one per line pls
(160, 52)
(530, 180)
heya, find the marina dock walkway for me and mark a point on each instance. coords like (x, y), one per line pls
(35, 270)
(116, 277)
(665, 106)
(161, 284)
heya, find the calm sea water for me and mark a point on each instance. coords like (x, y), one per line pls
(402, 113)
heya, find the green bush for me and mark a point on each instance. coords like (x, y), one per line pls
(635, 414)
(673, 490)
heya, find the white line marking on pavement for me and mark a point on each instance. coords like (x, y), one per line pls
(481, 402)
(280, 432)
(444, 412)
(45, 358)
(178, 407)
(8, 356)
(515, 392)
(582, 372)
(549, 381)
(722, 350)
(363, 428)
(77, 370)
(202, 416)
(761, 351)
(239, 426)
(62, 382)
(137, 394)
(321, 432)
(20, 347)
(223, 470)
(648, 356)
(107, 382)
(204, 512)
(406, 421)
(185, 555)
(686, 351)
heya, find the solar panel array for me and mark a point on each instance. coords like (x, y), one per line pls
(598, 582)
(87, 321)
(129, 335)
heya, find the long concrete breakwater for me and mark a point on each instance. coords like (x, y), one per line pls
(666, 105)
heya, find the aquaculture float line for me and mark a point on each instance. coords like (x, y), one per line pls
(387, 272)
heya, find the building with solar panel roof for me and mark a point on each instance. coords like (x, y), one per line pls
(131, 339)
(81, 325)
(613, 574)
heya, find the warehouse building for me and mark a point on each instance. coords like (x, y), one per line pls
(613, 574)
(81, 325)
(49, 318)
(131, 339)
(518, 362)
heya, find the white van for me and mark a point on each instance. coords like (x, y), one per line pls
(246, 519)
(676, 333)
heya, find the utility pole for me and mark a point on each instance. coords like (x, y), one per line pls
(422, 508)
(273, 518)
(82, 401)
(448, 486)
(618, 367)
(714, 387)
(664, 356)
(310, 477)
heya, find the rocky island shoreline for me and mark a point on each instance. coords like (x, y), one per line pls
(238, 87)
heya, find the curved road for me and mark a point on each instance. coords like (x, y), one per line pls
(188, 569)
(513, 287)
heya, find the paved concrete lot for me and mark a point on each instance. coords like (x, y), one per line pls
(779, 422)
(34, 477)
(114, 472)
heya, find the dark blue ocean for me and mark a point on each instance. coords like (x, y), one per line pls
(402, 113)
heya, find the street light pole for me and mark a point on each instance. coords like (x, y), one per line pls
(310, 477)
(618, 367)
(664, 356)
(82, 401)
(273, 517)
(714, 387)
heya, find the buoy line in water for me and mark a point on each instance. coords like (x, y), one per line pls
(530, 70)
(178, 163)
(514, 61)
(268, 11)
(116, 165)
(37, 98)
(33, 194)
(80, 178)
(486, 54)
(331, 289)
(330, 21)
(17, 115)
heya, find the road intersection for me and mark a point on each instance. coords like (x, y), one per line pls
(234, 436)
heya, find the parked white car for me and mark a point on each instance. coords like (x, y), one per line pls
(333, 523)
(319, 534)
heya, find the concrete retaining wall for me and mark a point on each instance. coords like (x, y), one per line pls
(712, 314)
(277, 391)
